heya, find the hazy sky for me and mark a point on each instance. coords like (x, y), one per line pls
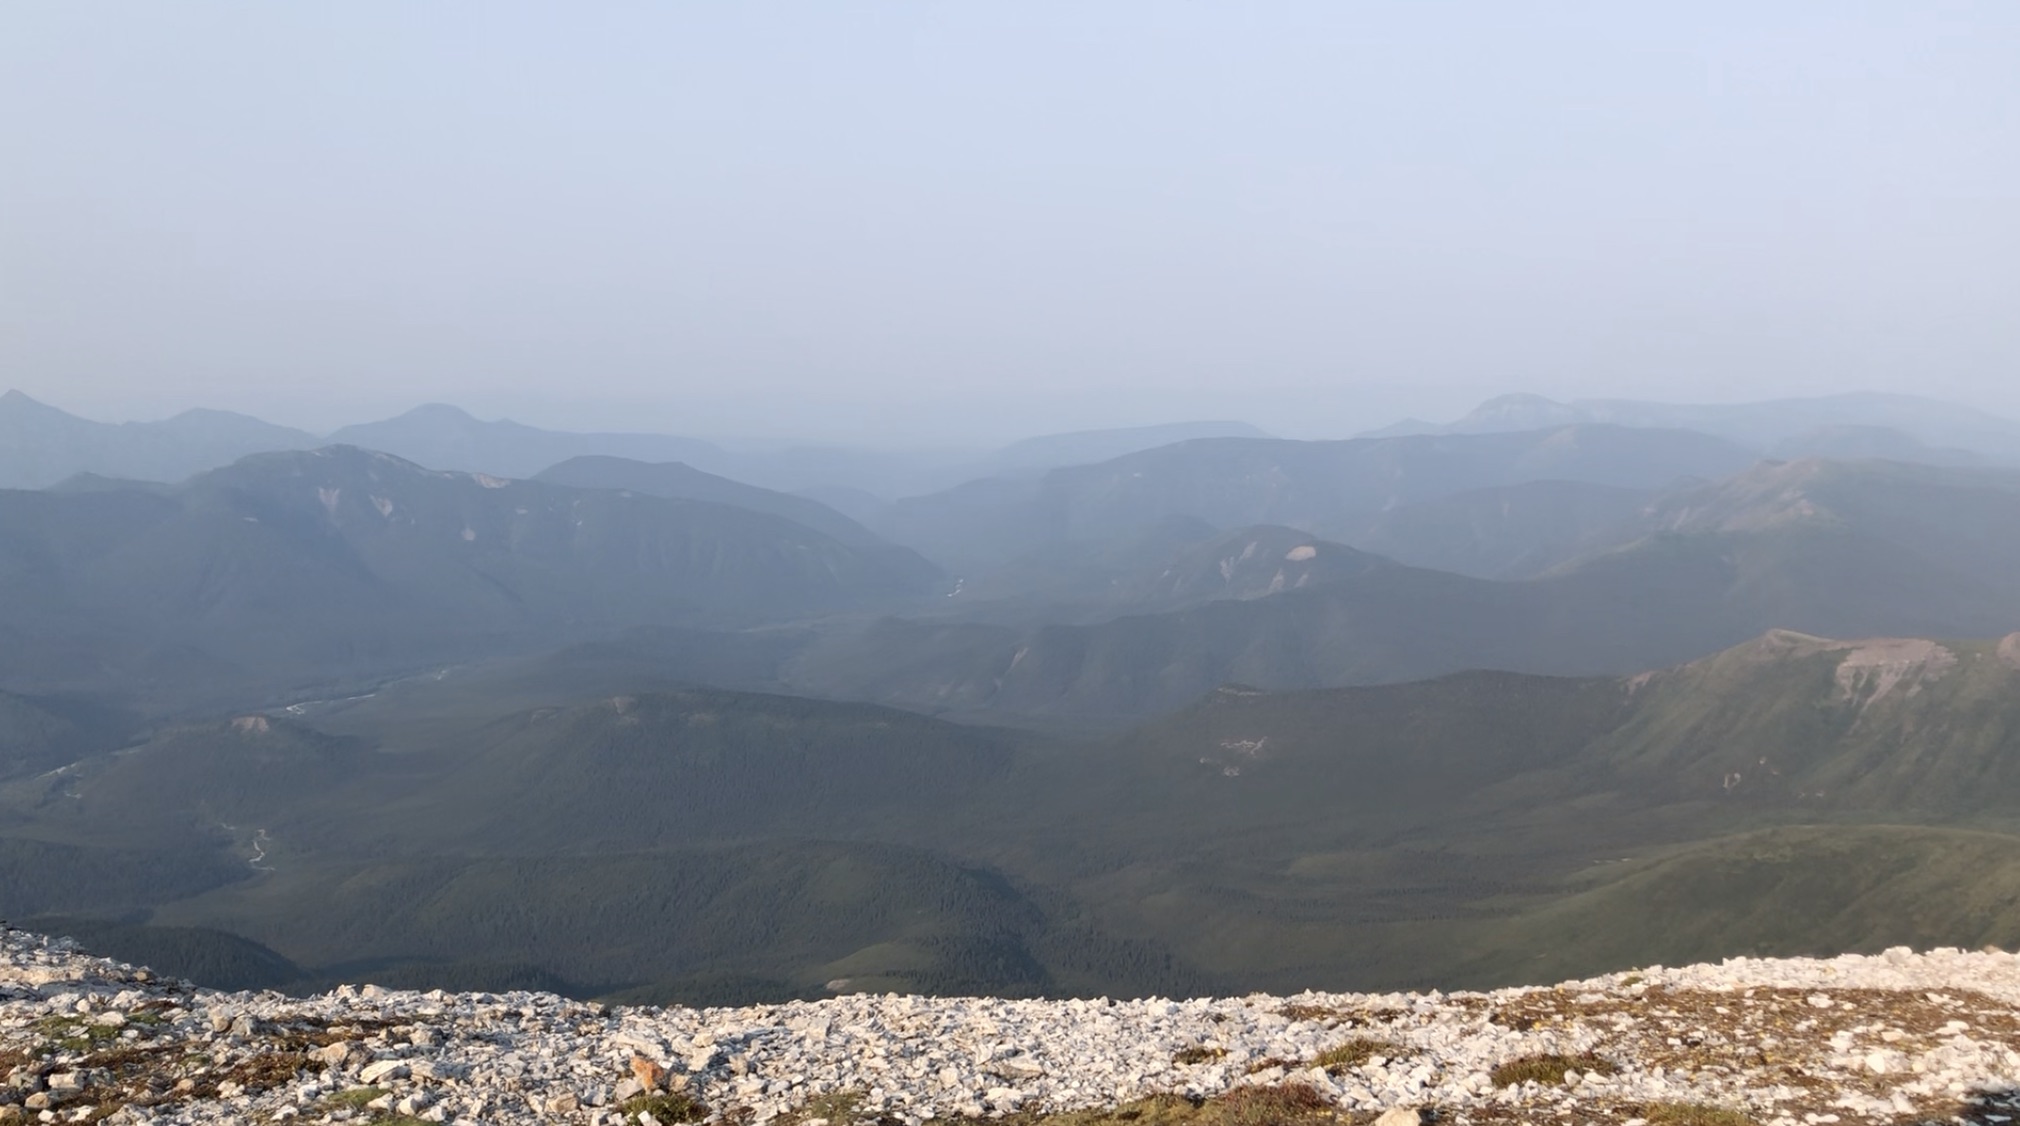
(869, 221)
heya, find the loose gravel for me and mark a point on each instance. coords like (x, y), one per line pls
(1892, 1038)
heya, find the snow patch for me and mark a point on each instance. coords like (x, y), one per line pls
(1302, 553)
(384, 506)
(251, 725)
(488, 481)
(329, 497)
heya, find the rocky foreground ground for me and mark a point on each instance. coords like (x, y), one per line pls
(1899, 1037)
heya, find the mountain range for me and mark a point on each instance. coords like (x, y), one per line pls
(41, 446)
(1146, 711)
(290, 569)
(1327, 488)
(1866, 424)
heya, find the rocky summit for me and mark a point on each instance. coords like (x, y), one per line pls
(1893, 1038)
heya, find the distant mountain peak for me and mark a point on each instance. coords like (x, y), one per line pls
(440, 410)
(1518, 399)
(1862, 424)
(18, 403)
(1521, 411)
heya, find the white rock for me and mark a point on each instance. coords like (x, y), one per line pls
(379, 1071)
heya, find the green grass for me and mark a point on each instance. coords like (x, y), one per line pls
(841, 1108)
(1354, 1053)
(74, 1034)
(673, 1107)
(1548, 1069)
(1694, 1114)
(354, 1099)
(1290, 1104)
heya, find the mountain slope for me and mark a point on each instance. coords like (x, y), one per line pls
(1800, 890)
(1906, 426)
(1325, 488)
(1509, 532)
(681, 765)
(342, 563)
(1172, 563)
(41, 445)
(1489, 827)
(440, 436)
(1965, 521)
(1906, 727)
(41, 733)
(1050, 451)
(684, 482)
(1482, 827)
(1660, 601)
(684, 843)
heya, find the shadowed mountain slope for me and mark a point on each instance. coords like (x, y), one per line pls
(1511, 532)
(1472, 829)
(342, 563)
(684, 765)
(1050, 451)
(680, 844)
(684, 482)
(43, 733)
(1321, 487)
(1477, 828)
(1663, 600)
(1172, 563)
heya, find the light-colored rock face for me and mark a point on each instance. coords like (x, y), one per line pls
(1892, 1038)
(1868, 671)
(1872, 670)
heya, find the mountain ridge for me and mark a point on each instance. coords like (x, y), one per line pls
(344, 562)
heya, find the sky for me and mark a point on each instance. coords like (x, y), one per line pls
(899, 223)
